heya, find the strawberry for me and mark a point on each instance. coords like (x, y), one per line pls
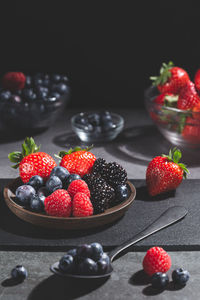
(82, 206)
(78, 186)
(14, 81)
(58, 204)
(32, 162)
(167, 99)
(165, 173)
(77, 161)
(197, 80)
(171, 79)
(191, 130)
(188, 96)
(156, 260)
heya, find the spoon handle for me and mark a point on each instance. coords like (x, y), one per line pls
(170, 216)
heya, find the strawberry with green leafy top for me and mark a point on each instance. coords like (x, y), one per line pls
(165, 173)
(171, 78)
(188, 97)
(77, 161)
(32, 162)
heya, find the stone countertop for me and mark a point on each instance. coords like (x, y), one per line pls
(134, 148)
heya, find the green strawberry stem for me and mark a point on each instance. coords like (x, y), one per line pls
(165, 74)
(29, 146)
(61, 154)
(175, 156)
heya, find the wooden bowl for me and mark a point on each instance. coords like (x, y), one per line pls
(43, 220)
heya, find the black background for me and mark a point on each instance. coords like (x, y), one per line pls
(108, 48)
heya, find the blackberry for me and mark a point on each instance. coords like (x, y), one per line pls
(99, 166)
(102, 194)
(114, 174)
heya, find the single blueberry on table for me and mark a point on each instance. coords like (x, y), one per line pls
(19, 273)
(60, 172)
(24, 193)
(53, 183)
(180, 276)
(159, 280)
(66, 263)
(88, 267)
(36, 181)
(84, 251)
(36, 204)
(97, 251)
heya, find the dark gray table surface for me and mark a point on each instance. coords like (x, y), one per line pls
(139, 142)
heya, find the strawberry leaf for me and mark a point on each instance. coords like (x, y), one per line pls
(165, 74)
(15, 157)
(61, 154)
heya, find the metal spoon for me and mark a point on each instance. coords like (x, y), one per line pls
(170, 216)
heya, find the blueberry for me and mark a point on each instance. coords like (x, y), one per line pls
(94, 119)
(82, 119)
(38, 81)
(159, 280)
(46, 82)
(42, 95)
(46, 77)
(28, 81)
(106, 116)
(37, 204)
(53, 183)
(43, 192)
(56, 78)
(72, 252)
(106, 258)
(84, 251)
(61, 173)
(28, 94)
(64, 79)
(88, 267)
(121, 192)
(5, 95)
(19, 273)
(24, 193)
(66, 263)
(88, 127)
(180, 276)
(72, 177)
(55, 95)
(97, 251)
(103, 266)
(36, 182)
(16, 99)
(61, 88)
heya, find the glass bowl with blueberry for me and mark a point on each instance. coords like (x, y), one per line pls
(97, 126)
(31, 102)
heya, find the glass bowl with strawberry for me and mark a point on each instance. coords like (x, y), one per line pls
(173, 103)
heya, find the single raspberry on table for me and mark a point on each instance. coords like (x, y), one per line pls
(156, 260)
(14, 81)
(82, 206)
(78, 185)
(58, 204)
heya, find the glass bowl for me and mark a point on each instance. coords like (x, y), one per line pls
(96, 133)
(31, 116)
(180, 127)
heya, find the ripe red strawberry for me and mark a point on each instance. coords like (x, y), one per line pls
(14, 81)
(167, 99)
(165, 173)
(78, 186)
(82, 206)
(77, 161)
(191, 130)
(171, 79)
(58, 204)
(32, 162)
(188, 97)
(156, 260)
(197, 80)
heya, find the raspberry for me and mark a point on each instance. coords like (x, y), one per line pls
(82, 206)
(14, 81)
(156, 260)
(58, 204)
(78, 185)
